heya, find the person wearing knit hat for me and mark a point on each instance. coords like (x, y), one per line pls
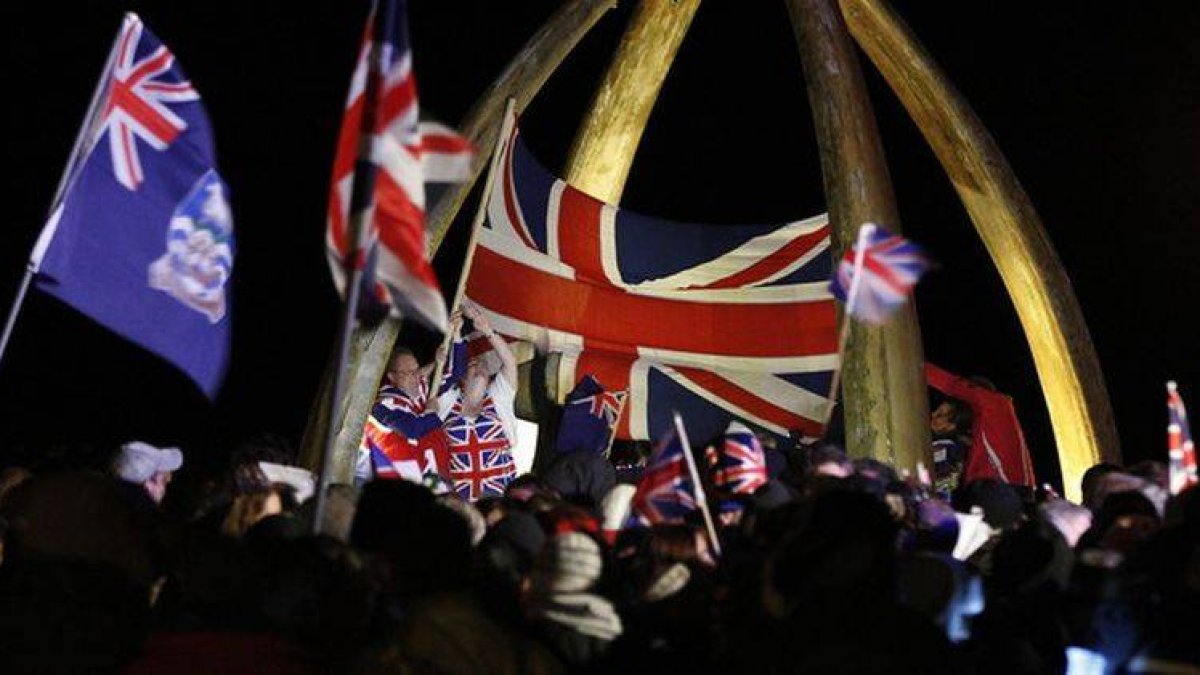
(575, 622)
(149, 467)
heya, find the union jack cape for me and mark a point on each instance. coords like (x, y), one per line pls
(712, 321)
(384, 158)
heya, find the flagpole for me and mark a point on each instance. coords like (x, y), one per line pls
(361, 191)
(860, 249)
(506, 126)
(612, 433)
(63, 180)
(698, 493)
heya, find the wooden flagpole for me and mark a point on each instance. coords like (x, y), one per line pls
(860, 250)
(698, 493)
(506, 127)
(47, 233)
(353, 263)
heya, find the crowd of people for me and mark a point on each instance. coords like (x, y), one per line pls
(821, 564)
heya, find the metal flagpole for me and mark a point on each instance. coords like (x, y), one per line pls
(84, 132)
(354, 262)
(860, 250)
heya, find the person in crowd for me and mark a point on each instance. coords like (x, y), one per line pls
(147, 468)
(997, 448)
(479, 421)
(402, 437)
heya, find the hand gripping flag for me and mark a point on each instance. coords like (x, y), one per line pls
(890, 266)
(1181, 451)
(142, 239)
(384, 157)
(714, 321)
(588, 417)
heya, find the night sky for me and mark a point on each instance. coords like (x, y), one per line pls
(1096, 105)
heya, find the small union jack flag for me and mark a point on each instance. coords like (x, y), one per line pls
(891, 265)
(1181, 451)
(666, 492)
(739, 466)
(135, 103)
(589, 417)
(481, 462)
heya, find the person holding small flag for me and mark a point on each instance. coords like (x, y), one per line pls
(479, 420)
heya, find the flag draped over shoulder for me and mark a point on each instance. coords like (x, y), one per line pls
(384, 158)
(1180, 449)
(713, 321)
(588, 418)
(142, 238)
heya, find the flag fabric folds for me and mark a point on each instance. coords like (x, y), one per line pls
(588, 418)
(713, 321)
(1181, 452)
(891, 266)
(142, 239)
(737, 463)
(384, 157)
(666, 492)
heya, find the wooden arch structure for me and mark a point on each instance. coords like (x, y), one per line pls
(884, 387)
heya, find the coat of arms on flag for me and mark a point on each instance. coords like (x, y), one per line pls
(716, 322)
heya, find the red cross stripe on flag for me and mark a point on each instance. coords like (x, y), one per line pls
(716, 322)
(134, 105)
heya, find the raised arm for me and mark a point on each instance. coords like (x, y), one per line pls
(508, 360)
(950, 384)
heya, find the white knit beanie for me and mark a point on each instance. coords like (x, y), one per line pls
(569, 563)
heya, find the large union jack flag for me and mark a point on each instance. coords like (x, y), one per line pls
(666, 492)
(891, 266)
(481, 461)
(713, 321)
(384, 157)
(1181, 451)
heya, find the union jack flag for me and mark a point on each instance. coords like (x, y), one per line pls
(135, 103)
(713, 321)
(738, 467)
(384, 177)
(588, 417)
(481, 462)
(666, 492)
(891, 266)
(1181, 451)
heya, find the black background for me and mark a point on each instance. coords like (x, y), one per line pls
(1095, 104)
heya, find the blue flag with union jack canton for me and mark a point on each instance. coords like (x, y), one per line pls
(142, 239)
(891, 266)
(588, 418)
(665, 493)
